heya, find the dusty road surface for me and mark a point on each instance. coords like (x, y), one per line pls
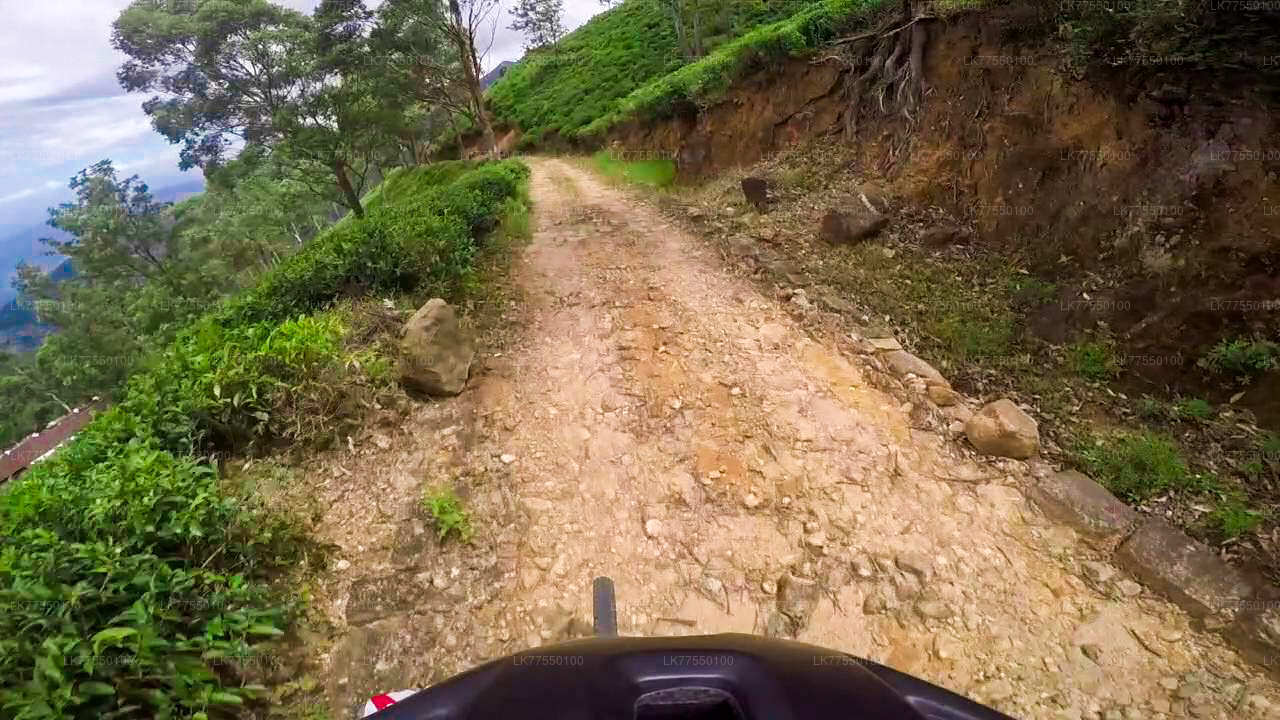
(658, 420)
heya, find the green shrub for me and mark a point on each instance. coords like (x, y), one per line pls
(1270, 447)
(1233, 518)
(1094, 361)
(1176, 35)
(128, 583)
(131, 583)
(1151, 408)
(447, 514)
(1135, 466)
(1242, 356)
(398, 245)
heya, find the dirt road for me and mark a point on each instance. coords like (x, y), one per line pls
(660, 421)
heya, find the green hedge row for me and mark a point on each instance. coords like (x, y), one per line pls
(400, 244)
(131, 584)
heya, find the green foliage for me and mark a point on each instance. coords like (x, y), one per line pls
(143, 271)
(1032, 291)
(704, 80)
(1270, 447)
(1136, 466)
(447, 514)
(611, 55)
(132, 583)
(1173, 35)
(397, 245)
(126, 578)
(1094, 361)
(966, 335)
(659, 172)
(616, 54)
(1193, 408)
(312, 89)
(1232, 517)
(1242, 356)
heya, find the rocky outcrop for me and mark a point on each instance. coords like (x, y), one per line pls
(435, 351)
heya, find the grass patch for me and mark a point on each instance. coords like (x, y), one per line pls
(959, 322)
(1135, 466)
(447, 514)
(1233, 517)
(1149, 408)
(1094, 361)
(659, 172)
(1030, 291)
(1193, 408)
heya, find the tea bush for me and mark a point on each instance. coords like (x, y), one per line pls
(131, 583)
(616, 54)
(398, 245)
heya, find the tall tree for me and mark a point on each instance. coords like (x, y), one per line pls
(133, 279)
(436, 41)
(219, 70)
(227, 72)
(540, 21)
(465, 22)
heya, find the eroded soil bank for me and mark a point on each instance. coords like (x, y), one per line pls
(1147, 195)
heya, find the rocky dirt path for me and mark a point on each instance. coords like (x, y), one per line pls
(660, 421)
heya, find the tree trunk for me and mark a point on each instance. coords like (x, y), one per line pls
(675, 7)
(457, 136)
(471, 76)
(348, 192)
(697, 30)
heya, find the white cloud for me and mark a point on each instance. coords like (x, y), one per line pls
(28, 192)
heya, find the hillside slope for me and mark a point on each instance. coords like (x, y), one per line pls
(619, 52)
(133, 575)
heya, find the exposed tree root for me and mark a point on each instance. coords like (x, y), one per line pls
(893, 58)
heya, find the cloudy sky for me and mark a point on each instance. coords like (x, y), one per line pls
(61, 109)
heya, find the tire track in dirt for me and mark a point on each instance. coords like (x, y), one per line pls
(676, 430)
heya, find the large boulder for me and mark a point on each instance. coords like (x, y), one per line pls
(1003, 429)
(435, 350)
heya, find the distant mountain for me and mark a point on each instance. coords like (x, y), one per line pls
(179, 192)
(20, 330)
(24, 244)
(492, 76)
